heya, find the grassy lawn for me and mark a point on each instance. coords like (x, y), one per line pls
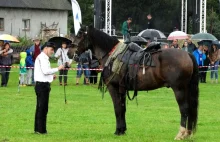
(88, 117)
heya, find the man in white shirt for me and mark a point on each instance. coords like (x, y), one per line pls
(43, 76)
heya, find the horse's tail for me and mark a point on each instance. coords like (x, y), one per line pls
(193, 97)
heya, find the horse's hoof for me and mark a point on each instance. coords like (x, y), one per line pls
(119, 132)
(181, 134)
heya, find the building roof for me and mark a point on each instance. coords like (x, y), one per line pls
(37, 4)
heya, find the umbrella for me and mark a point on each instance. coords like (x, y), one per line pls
(177, 35)
(58, 41)
(138, 39)
(204, 36)
(9, 38)
(216, 43)
(152, 34)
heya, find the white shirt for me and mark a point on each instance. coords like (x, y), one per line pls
(42, 70)
(63, 58)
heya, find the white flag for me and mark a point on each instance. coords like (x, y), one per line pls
(77, 18)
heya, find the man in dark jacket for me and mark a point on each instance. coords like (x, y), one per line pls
(191, 46)
(149, 22)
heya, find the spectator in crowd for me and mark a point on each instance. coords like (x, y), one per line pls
(191, 46)
(175, 44)
(126, 29)
(30, 65)
(63, 59)
(23, 70)
(1, 44)
(200, 56)
(148, 42)
(83, 65)
(164, 45)
(5, 60)
(4, 50)
(94, 73)
(185, 46)
(149, 21)
(35, 51)
(206, 64)
(214, 61)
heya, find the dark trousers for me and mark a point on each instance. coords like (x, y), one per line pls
(201, 74)
(93, 77)
(42, 90)
(204, 74)
(5, 76)
(32, 77)
(63, 72)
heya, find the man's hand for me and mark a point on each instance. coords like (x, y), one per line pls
(60, 67)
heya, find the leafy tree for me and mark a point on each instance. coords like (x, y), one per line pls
(213, 24)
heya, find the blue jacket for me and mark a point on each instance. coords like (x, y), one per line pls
(197, 56)
(29, 59)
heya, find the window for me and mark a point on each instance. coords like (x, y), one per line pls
(1, 24)
(26, 24)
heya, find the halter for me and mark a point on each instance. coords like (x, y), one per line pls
(84, 37)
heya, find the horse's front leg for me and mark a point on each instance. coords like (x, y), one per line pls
(119, 101)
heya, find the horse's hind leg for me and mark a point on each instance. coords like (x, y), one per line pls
(181, 97)
(120, 109)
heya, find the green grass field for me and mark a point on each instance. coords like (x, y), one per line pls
(88, 118)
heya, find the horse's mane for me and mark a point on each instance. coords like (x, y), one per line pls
(102, 39)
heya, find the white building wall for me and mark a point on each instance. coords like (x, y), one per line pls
(13, 23)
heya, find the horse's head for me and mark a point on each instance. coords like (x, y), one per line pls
(72, 51)
(79, 43)
(81, 40)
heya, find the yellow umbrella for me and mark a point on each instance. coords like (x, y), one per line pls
(9, 38)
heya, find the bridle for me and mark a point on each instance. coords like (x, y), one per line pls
(83, 36)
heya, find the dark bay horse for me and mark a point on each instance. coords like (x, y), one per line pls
(174, 68)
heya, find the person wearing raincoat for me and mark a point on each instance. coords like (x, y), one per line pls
(23, 70)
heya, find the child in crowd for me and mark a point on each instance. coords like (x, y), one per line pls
(30, 67)
(23, 70)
